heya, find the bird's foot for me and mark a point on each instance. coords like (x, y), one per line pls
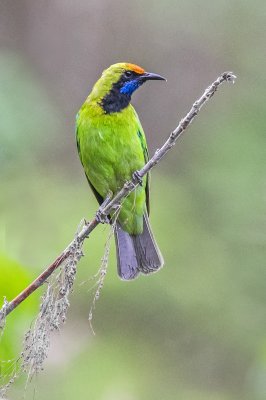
(101, 217)
(136, 177)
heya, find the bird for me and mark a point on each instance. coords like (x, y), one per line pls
(112, 146)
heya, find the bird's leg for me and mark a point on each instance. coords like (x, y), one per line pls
(136, 177)
(100, 214)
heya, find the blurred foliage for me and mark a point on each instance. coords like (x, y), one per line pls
(23, 114)
(196, 330)
(14, 277)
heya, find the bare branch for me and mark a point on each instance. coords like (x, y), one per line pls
(116, 200)
(51, 317)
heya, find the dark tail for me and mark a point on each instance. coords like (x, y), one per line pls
(137, 253)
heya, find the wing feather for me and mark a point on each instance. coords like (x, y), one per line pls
(96, 194)
(146, 158)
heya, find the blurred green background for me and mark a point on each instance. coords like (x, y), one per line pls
(197, 329)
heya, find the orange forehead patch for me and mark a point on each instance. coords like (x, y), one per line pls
(135, 68)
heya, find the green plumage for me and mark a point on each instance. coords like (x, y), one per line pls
(112, 145)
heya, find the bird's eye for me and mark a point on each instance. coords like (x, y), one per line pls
(128, 74)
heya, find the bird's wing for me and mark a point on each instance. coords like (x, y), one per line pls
(142, 138)
(96, 194)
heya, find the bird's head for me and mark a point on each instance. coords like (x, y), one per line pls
(114, 89)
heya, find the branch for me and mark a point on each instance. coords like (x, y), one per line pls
(116, 200)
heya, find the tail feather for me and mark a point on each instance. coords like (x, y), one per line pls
(148, 254)
(127, 265)
(137, 253)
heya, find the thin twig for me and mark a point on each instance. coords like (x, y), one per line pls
(116, 200)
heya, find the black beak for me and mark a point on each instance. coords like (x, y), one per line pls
(148, 76)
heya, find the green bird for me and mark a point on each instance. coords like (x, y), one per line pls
(112, 146)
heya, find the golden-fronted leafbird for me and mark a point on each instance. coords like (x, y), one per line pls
(112, 146)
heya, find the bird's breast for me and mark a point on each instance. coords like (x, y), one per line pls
(111, 148)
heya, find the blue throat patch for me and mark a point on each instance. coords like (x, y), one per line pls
(130, 87)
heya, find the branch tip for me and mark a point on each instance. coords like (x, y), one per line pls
(229, 76)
